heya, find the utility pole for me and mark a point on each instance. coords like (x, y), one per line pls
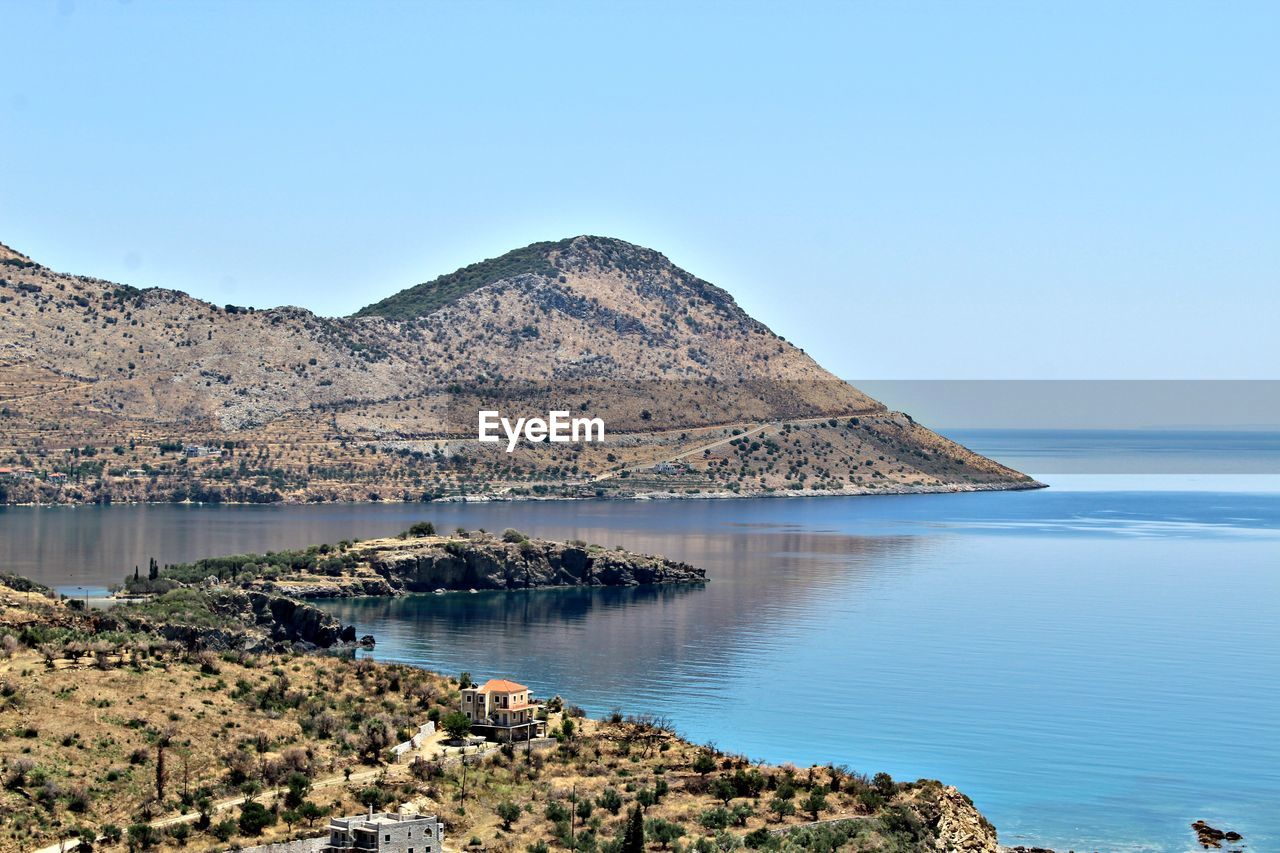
(573, 816)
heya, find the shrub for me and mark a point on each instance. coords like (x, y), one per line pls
(422, 528)
(610, 800)
(142, 836)
(508, 812)
(223, 830)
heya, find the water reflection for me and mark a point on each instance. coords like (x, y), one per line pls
(587, 643)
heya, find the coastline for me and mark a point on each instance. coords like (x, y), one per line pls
(947, 489)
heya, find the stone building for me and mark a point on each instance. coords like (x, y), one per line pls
(385, 832)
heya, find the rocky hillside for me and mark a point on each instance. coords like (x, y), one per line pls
(103, 387)
(127, 742)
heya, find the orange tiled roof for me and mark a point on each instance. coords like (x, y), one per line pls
(501, 685)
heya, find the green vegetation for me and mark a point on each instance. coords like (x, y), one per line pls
(242, 568)
(423, 299)
(187, 607)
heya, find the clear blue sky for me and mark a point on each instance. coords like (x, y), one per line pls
(907, 190)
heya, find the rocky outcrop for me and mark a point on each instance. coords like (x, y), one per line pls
(490, 564)
(1211, 838)
(225, 618)
(954, 821)
(478, 562)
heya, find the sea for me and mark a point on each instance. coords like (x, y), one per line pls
(1097, 663)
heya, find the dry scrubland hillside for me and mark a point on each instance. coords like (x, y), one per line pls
(175, 748)
(105, 384)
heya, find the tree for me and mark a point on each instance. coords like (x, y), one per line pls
(884, 785)
(291, 818)
(704, 763)
(457, 724)
(633, 836)
(816, 801)
(610, 800)
(556, 812)
(508, 813)
(204, 806)
(310, 812)
(161, 743)
(722, 789)
(781, 807)
(111, 833)
(254, 818)
(464, 680)
(716, 818)
(299, 786)
(377, 735)
(373, 797)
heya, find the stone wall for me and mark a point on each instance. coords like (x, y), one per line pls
(424, 731)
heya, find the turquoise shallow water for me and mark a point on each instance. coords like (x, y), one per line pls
(1096, 663)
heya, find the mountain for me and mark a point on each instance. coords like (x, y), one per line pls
(109, 385)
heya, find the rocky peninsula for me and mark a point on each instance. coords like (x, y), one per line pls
(421, 560)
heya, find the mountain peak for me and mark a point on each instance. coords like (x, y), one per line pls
(547, 259)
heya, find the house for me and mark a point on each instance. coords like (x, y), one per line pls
(200, 451)
(135, 473)
(502, 710)
(385, 832)
(58, 479)
(17, 474)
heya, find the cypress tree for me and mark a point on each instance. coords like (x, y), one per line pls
(633, 837)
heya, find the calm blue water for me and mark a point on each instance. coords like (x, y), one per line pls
(1095, 664)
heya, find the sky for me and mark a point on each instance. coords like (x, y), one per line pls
(963, 190)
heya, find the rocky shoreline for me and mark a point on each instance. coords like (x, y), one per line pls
(506, 497)
(389, 567)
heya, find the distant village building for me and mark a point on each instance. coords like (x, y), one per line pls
(57, 478)
(502, 710)
(385, 832)
(199, 451)
(135, 473)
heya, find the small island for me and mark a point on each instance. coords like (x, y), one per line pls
(420, 560)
